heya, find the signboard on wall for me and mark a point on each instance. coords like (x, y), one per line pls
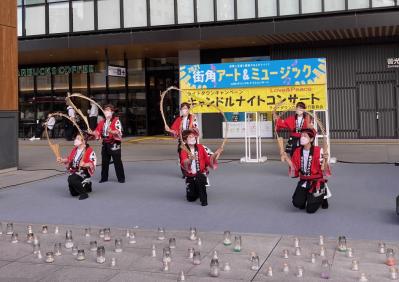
(116, 71)
(55, 70)
(237, 129)
(255, 86)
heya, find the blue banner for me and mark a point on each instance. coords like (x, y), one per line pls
(254, 74)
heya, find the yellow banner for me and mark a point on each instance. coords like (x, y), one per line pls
(261, 99)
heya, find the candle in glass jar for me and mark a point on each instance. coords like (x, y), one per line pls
(322, 251)
(285, 254)
(181, 277)
(165, 266)
(113, 262)
(93, 246)
(341, 244)
(296, 242)
(161, 233)
(355, 265)
(56, 230)
(381, 248)
(390, 257)
(29, 238)
(321, 240)
(197, 258)
(100, 254)
(44, 229)
(349, 252)
(193, 234)
(215, 255)
(49, 257)
(167, 256)
(118, 245)
(172, 243)
(87, 232)
(75, 250)
(325, 269)
(101, 233)
(81, 255)
(299, 272)
(393, 273)
(269, 272)
(298, 251)
(227, 238)
(237, 243)
(199, 242)
(153, 251)
(14, 238)
(190, 253)
(39, 254)
(255, 263)
(68, 239)
(132, 238)
(107, 234)
(214, 271)
(226, 267)
(363, 277)
(286, 268)
(57, 249)
(313, 258)
(10, 228)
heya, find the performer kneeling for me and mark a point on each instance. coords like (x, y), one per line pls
(195, 166)
(110, 131)
(311, 191)
(294, 123)
(81, 164)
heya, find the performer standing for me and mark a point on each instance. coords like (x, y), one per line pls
(306, 163)
(183, 122)
(81, 164)
(110, 131)
(195, 166)
(294, 123)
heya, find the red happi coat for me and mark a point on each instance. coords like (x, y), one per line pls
(316, 173)
(115, 125)
(89, 156)
(290, 124)
(204, 161)
(177, 124)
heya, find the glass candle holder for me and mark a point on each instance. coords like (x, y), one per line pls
(165, 266)
(381, 248)
(193, 234)
(56, 230)
(132, 238)
(127, 233)
(36, 248)
(269, 272)
(10, 228)
(255, 263)
(214, 271)
(390, 257)
(299, 271)
(237, 244)
(100, 254)
(118, 245)
(363, 277)
(44, 229)
(81, 255)
(153, 251)
(29, 229)
(75, 250)
(181, 277)
(321, 240)
(68, 239)
(286, 268)
(355, 265)
(349, 252)
(252, 255)
(285, 254)
(87, 232)
(393, 273)
(35, 240)
(93, 246)
(161, 233)
(199, 242)
(50, 257)
(197, 258)
(325, 269)
(29, 238)
(172, 243)
(57, 249)
(113, 262)
(296, 242)
(1, 228)
(167, 255)
(107, 234)
(39, 254)
(14, 238)
(322, 251)
(342, 244)
(313, 258)
(215, 255)
(298, 251)
(190, 253)
(226, 267)
(227, 238)
(101, 233)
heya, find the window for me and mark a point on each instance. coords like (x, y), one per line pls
(135, 13)
(35, 20)
(59, 17)
(289, 7)
(336, 5)
(185, 11)
(225, 10)
(358, 4)
(383, 3)
(162, 12)
(245, 9)
(19, 16)
(311, 6)
(33, 2)
(267, 8)
(108, 14)
(205, 11)
(61, 82)
(83, 15)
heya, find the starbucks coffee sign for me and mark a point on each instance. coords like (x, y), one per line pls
(59, 70)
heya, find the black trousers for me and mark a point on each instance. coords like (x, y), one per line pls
(292, 144)
(302, 199)
(77, 185)
(93, 123)
(114, 151)
(195, 188)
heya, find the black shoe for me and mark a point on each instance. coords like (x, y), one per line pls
(324, 204)
(204, 204)
(103, 180)
(83, 197)
(121, 181)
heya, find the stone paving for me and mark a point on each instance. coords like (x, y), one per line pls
(135, 262)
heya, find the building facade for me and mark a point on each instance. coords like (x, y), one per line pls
(77, 45)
